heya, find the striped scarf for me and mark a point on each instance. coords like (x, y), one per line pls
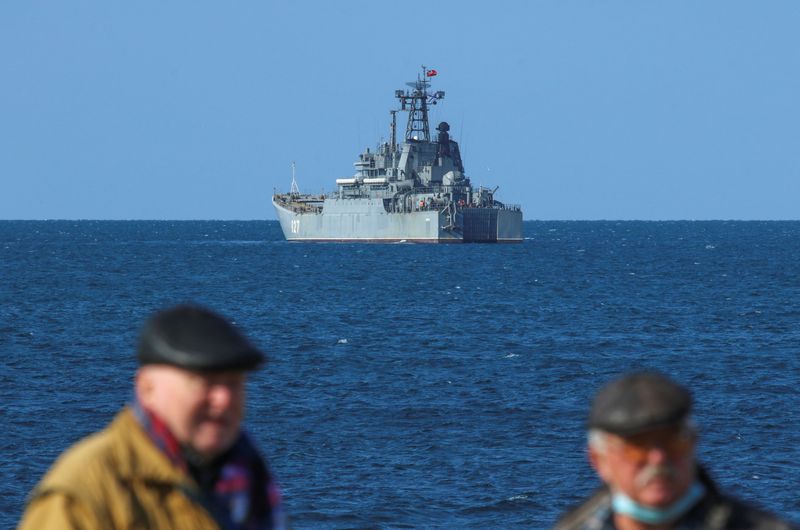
(244, 495)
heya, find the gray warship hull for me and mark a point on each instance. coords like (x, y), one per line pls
(367, 221)
(412, 191)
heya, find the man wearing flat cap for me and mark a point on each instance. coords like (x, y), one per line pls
(176, 458)
(642, 445)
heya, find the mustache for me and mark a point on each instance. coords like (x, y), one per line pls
(654, 471)
(223, 417)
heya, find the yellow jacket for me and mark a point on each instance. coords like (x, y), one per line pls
(115, 479)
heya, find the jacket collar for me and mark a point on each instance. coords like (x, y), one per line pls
(141, 459)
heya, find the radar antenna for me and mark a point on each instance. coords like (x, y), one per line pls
(416, 103)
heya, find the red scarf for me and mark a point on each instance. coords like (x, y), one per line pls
(244, 495)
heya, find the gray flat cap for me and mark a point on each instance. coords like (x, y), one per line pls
(195, 338)
(639, 402)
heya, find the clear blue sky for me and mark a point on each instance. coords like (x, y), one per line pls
(576, 109)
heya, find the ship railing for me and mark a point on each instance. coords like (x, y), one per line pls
(304, 208)
(442, 206)
(353, 194)
(496, 205)
(298, 197)
(298, 203)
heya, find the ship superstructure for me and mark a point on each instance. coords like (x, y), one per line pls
(411, 191)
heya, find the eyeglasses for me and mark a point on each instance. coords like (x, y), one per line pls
(676, 443)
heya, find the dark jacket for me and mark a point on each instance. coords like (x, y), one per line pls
(715, 511)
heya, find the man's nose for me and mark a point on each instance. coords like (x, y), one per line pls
(657, 455)
(220, 396)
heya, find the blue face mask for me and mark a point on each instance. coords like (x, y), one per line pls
(624, 505)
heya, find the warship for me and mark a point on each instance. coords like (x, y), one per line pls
(413, 191)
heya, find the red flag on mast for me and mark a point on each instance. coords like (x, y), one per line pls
(431, 73)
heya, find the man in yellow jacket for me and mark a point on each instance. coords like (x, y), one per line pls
(176, 458)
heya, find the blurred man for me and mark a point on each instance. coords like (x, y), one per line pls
(176, 458)
(642, 445)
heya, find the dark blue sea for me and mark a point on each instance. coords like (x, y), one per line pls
(418, 386)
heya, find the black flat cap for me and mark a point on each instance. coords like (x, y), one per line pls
(195, 338)
(639, 402)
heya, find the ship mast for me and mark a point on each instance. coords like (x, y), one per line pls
(294, 189)
(416, 103)
(393, 131)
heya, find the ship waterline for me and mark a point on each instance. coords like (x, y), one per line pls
(366, 220)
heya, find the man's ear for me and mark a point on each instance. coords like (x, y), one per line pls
(143, 385)
(599, 463)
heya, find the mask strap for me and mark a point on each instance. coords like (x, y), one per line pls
(622, 504)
